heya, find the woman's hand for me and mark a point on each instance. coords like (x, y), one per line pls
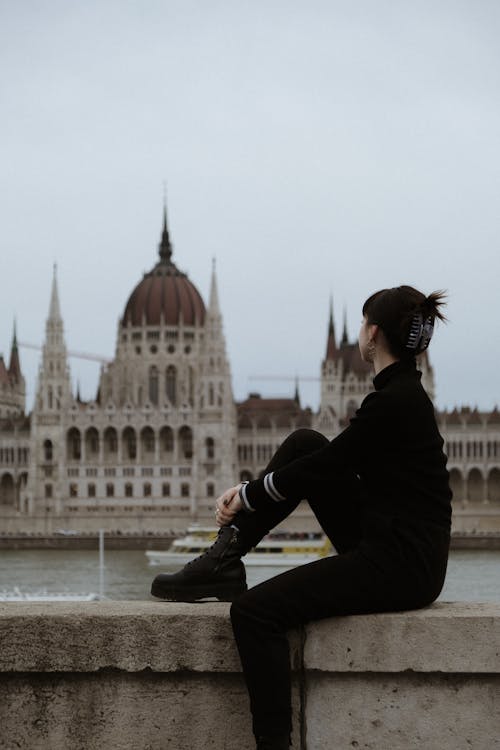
(227, 506)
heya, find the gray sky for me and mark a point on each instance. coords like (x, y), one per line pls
(314, 148)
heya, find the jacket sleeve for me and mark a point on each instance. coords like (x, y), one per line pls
(349, 450)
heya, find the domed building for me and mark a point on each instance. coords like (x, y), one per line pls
(159, 441)
(164, 436)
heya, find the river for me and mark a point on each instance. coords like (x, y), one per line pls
(473, 576)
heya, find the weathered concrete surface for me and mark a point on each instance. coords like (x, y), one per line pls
(459, 637)
(132, 636)
(150, 675)
(123, 675)
(403, 712)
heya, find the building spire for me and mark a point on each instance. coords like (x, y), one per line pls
(14, 366)
(165, 246)
(331, 346)
(54, 309)
(296, 397)
(345, 337)
(213, 302)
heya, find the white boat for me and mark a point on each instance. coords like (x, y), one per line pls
(16, 595)
(278, 549)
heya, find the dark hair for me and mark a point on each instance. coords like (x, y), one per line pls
(406, 316)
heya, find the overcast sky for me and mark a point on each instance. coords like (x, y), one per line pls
(313, 148)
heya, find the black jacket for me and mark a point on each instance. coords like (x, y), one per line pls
(393, 445)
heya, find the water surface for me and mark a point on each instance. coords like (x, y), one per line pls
(473, 576)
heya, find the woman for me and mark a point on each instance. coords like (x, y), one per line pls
(380, 491)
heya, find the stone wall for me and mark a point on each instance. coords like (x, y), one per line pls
(164, 676)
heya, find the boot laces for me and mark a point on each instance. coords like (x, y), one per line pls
(212, 548)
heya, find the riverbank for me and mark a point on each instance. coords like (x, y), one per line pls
(85, 541)
(116, 541)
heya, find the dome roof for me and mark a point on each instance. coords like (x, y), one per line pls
(164, 293)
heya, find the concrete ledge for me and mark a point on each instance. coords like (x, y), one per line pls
(130, 636)
(151, 675)
(455, 638)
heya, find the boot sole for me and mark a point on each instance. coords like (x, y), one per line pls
(223, 592)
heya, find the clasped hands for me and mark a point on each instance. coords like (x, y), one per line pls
(227, 506)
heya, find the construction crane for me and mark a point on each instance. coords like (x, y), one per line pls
(75, 355)
(286, 378)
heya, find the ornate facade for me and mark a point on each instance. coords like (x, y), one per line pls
(164, 436)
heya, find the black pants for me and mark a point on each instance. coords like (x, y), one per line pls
(379, 567)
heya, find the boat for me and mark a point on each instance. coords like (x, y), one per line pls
(16, 595)
(277, 549)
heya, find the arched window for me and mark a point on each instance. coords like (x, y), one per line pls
(153, 384)
(494, 486)
(110, 490)
(210, 447)
(184, 490)
(165, 489)
(129, 490)
(48, 450)
(91, 490)
(130, 443)
(7, 490)
(475, 486)
(147, 441)
(457, 485)
(91, 442)
(74, 444)
(166, 440)
(110, 443)
(186, 442)
(171, 384)
(210, 394)
(210, 490)
(147, 489)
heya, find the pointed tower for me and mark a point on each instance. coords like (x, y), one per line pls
(331, 375)
(14, 366)
(16, 377)
(13, 386)
(165, 248)
(331, 344)
(345, 338)
(217, 410)
(50, 418)
(216, 376)
(296, 396)
(54, 386)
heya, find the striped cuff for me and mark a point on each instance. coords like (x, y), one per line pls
(242, 492)
(270, 488)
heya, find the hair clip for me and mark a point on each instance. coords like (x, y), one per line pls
(416, 329)
(427, 331)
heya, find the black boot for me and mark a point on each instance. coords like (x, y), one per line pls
(218, 573)
(280, 742)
